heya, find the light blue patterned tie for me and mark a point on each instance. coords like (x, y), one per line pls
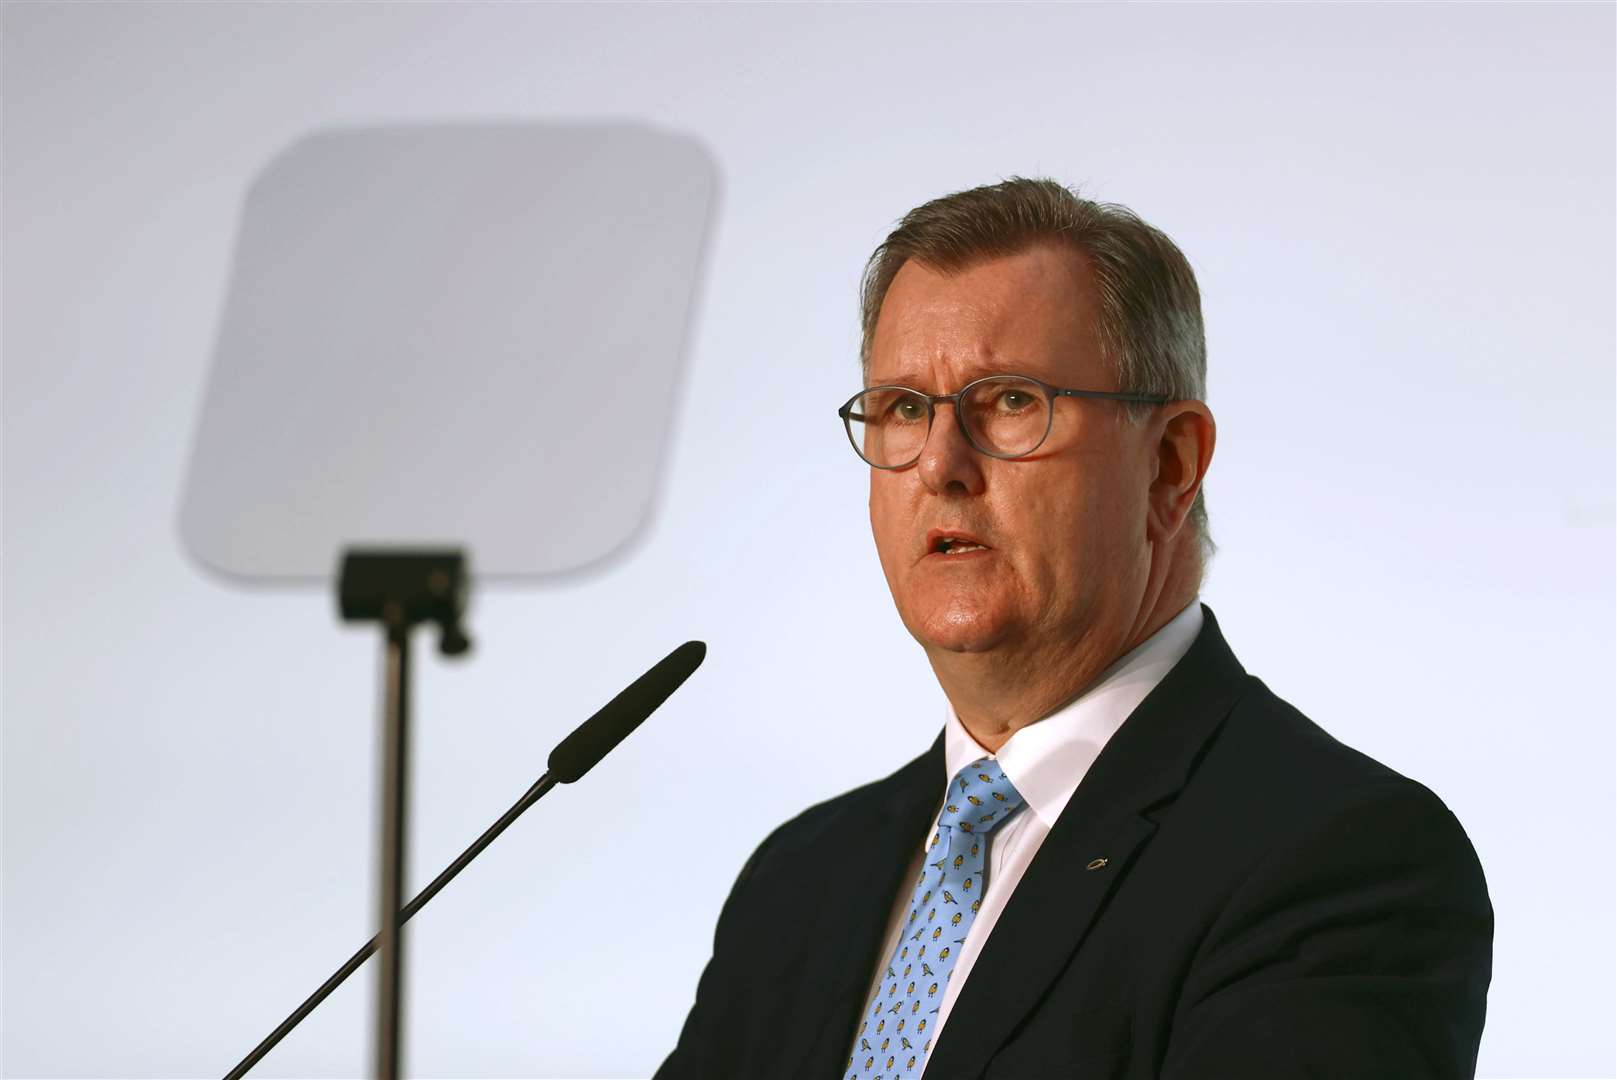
(895, 1030)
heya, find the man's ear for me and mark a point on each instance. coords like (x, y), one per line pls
(1185, 434)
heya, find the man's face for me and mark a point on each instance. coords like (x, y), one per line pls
(1065, 527)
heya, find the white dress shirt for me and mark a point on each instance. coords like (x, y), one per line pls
(1045, 761)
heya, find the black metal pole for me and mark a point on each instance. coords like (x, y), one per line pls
(395, 805)
(398, 587)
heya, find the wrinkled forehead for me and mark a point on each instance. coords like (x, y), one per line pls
(1033, 313)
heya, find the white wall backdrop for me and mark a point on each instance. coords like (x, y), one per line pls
(1402, 219)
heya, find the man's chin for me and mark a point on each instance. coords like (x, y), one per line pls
(960, 633)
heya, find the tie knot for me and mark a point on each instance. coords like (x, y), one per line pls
(980, 798)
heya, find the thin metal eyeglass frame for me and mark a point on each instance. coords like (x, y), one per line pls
(932, 400)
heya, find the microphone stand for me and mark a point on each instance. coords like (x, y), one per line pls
(533, 794)
(574, 756)
(398, 589)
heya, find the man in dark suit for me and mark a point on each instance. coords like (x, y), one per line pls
(1123, 856)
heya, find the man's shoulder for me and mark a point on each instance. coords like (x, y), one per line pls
(1272, 766)
(833, 820)
(1276, 738)
(1279, 819)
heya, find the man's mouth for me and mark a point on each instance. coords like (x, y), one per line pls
(952, 542)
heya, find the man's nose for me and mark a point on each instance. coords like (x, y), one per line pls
(948, 464)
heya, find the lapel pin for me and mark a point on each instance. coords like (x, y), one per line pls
(1095, 864)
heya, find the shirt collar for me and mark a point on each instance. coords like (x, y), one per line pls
(1046, 760)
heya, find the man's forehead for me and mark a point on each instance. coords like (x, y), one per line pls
(962, 372)
(1032, 313)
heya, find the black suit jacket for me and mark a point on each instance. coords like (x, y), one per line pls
(1273, 903)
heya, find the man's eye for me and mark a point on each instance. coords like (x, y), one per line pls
(1014, 401)
(909, 410)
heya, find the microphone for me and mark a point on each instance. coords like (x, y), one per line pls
(594, 738)
(574, 756)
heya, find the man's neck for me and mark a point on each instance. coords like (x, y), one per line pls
(998, 692)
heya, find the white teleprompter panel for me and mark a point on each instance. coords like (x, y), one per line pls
(463, 334)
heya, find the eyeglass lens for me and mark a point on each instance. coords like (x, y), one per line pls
(1006, 416)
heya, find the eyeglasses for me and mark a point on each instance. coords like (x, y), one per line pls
(1003, 416)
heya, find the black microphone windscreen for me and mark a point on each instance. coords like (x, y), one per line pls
(594, 738)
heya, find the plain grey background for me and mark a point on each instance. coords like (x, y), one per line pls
(1402, 220)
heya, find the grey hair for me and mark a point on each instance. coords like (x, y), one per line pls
(1150, 308)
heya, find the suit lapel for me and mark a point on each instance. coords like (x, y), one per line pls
(1145, 763)
(876, 842)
